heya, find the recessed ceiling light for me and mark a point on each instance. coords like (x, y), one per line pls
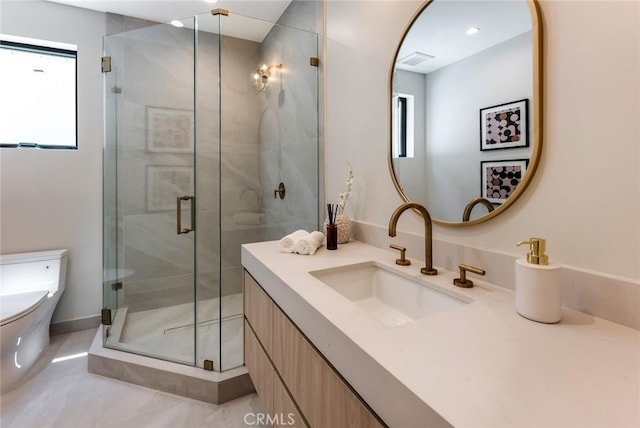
(473, 30)
(177, 23)
(211, 1)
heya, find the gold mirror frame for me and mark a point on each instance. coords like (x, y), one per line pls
(536, 107)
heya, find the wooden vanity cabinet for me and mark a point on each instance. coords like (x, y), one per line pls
(290, 375)
(260, 369)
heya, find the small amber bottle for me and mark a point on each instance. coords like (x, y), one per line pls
(332, 237)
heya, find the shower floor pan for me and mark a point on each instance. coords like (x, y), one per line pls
(137, 340)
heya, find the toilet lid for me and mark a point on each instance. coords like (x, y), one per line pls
(15, 306)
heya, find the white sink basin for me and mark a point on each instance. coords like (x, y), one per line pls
(392, 298)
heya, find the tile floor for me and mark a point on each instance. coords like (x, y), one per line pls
(65, 395)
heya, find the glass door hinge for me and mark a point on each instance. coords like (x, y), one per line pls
(106, 64)
(106, 316)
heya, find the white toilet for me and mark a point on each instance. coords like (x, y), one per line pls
(30, 287)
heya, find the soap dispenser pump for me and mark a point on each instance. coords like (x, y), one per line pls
(537, 284)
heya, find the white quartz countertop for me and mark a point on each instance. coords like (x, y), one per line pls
(477, 365)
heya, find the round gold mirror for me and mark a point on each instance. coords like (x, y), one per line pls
(465, 108)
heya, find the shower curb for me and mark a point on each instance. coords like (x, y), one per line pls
(173, 378)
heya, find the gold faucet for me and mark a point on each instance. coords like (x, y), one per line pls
(428, 252)
(473, 203)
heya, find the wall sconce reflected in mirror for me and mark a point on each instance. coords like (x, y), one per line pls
(262, 74)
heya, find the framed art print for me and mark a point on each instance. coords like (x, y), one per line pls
(169, 130)
(504, 126)
(500, 179)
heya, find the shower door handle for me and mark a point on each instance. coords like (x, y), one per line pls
(179, 200)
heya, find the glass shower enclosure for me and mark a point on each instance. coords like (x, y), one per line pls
(203, 123)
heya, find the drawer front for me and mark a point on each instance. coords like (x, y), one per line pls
(285, 410)
(296, 385)
(322, 396)
(338, 405)
(260, 369)
(298, 364)
(258, 309)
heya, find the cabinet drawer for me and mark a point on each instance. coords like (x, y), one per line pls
(259, 367)
(258, 309)
(322, 396)
(284, 408)
(298, 364)
(338, 405)
(295, 383)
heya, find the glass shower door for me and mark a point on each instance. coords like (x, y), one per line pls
(150, 192)
(192, 137)
(208, 241)
(252, 135)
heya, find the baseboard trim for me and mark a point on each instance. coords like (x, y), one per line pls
(71, 326)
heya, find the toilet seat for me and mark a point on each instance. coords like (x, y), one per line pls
(16, 306)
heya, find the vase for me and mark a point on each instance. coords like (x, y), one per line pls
(344, 228)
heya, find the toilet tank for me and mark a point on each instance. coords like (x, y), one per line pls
(41, 270)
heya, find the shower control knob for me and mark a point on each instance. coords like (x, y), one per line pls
(280, 191)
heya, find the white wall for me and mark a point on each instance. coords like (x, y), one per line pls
(52, 199)
(585, 197)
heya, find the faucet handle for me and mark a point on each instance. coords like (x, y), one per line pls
(463, 281)
(402, 261)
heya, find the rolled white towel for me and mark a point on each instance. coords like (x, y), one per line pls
(286, 244)
(309, 244)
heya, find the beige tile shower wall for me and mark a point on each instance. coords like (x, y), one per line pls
(154, 71)
(288, 131)
(240, 121)
(158, 71)
(585, 198)
(240, 169)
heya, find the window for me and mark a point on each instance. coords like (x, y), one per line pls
(403, 126)
(38, 87)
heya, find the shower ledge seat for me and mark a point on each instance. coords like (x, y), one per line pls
(480, 364)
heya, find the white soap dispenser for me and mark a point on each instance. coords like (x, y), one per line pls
(538, 284)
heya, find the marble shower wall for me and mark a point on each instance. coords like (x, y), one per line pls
(155, 76)
(241, 206)
(289, 131)
(266, 138)
(155, 80)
